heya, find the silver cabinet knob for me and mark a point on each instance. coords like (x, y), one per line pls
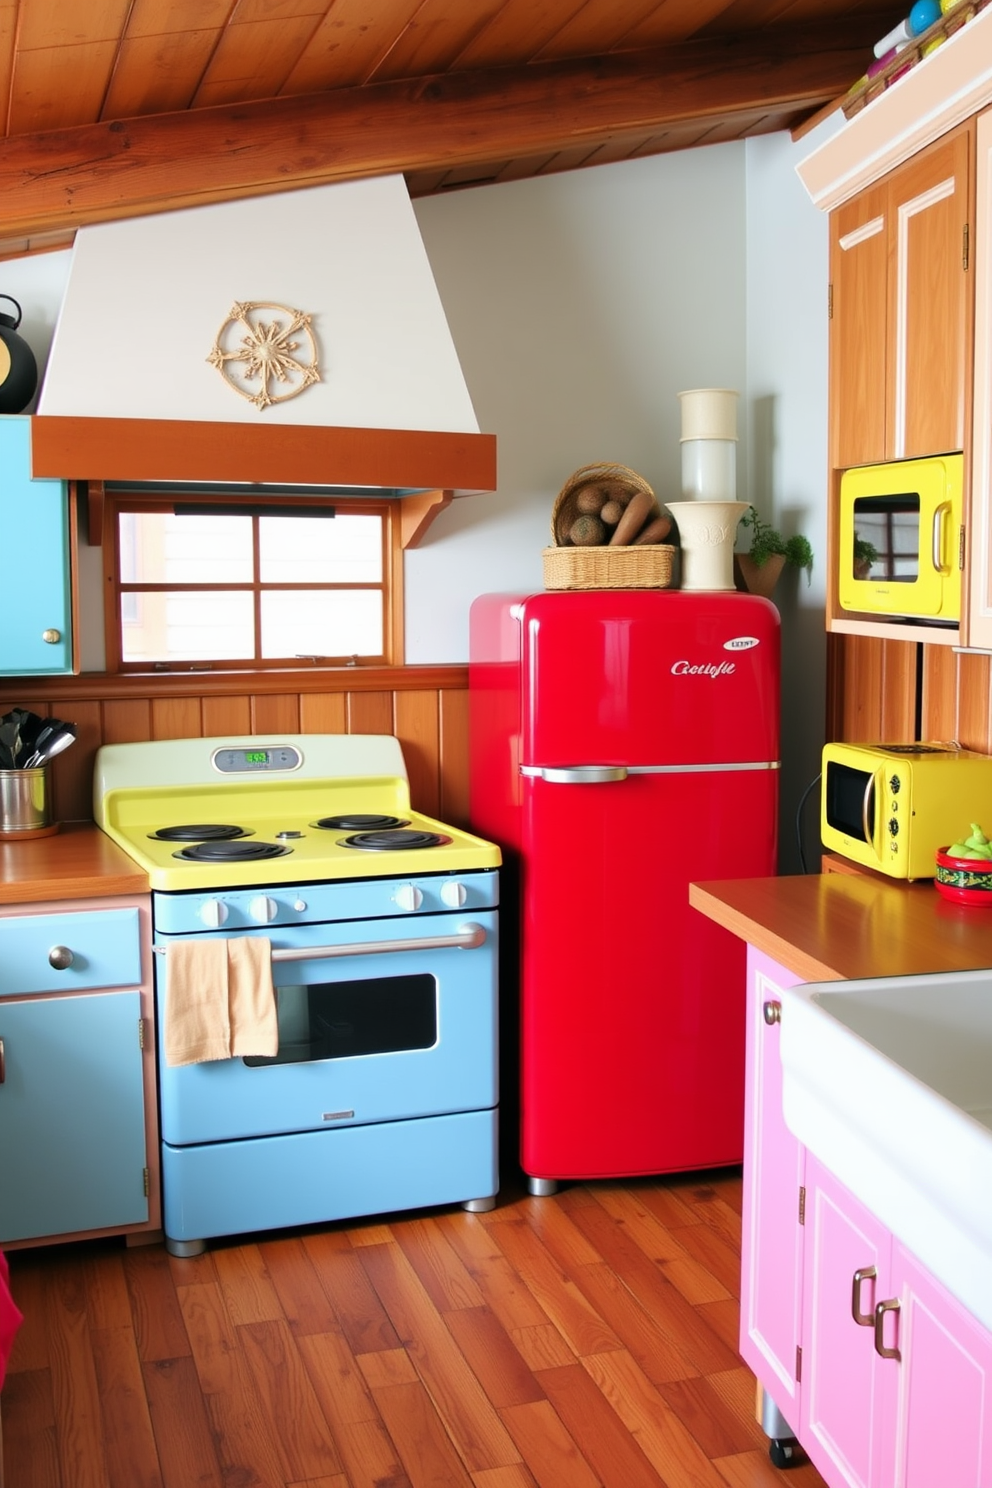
(772, 1013)
(51, 637)
(60, 957)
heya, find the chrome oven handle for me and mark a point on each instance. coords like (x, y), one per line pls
(468, 938)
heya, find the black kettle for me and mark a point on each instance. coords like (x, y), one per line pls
(18, 368)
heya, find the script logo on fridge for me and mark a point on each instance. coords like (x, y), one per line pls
(703, 668)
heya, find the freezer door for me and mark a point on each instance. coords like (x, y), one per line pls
(642, 677)
(633, 1003)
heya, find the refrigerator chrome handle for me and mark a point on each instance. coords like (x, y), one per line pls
(576, 774)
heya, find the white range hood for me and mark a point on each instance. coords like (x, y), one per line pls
(147, 297)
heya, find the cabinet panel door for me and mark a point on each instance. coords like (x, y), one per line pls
(34, 519)
(930, 295)
(943, 1415)
(842, 1409)
(72, 1126)
(858, 341)
(771, 1242)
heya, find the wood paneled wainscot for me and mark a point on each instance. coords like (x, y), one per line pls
(425, 707)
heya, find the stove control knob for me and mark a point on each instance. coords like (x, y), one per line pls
(213, 913)
(453, 894)
(408, 896)
(263, 909)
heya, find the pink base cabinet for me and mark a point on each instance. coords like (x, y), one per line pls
(885, 1377)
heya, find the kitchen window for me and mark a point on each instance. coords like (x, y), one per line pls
(201, 583)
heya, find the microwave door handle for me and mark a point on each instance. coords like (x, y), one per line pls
(865, 804)
(936, 536)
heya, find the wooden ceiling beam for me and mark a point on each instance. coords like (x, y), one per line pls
(66, 178)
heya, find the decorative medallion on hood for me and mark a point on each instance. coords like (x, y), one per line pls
(262, 364)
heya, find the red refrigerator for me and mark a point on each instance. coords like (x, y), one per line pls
(624, 743)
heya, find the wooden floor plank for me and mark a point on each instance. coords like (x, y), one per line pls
(30, 1435)
(549, 1452)
(492, 1356)
(442, 1273)
(158, 1322)
(295, 1421)
(186, 1449)
(468, 1416)
(574, 1317)
(683, 1269)
(684, 1325)
(503, 1291)
(608, 1447)
(304, 1302)
(369, 1456)
(424, 1447)
(637, 1329)
(359, 1313)
(132, 1457)
(81, 1448)
(671, 1449)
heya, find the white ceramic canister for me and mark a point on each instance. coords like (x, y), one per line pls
(707, 533)
(709, 444)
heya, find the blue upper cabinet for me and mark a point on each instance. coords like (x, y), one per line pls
(36, 625)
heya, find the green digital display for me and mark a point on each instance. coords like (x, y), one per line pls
(256, 756)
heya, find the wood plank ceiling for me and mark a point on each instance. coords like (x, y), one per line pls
(119, 107)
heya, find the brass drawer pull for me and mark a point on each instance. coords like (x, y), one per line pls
(863, 1319)
(892, 1305)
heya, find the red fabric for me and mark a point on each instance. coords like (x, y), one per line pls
(10, 1317)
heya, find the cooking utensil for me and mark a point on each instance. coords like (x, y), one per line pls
(50, 744)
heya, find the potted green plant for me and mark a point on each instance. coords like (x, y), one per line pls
(768, 554)
(865, 554)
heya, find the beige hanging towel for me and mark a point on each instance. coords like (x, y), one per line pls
(220, 1001)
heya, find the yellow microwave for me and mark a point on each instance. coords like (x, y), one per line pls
(891, 806)
(900, 539)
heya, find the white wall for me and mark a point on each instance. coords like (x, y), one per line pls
(787, 277)
(581, 304)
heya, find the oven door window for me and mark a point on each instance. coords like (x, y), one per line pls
(342, 1020)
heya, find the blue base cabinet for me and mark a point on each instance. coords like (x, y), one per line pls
(78, 1127)
(36, 631)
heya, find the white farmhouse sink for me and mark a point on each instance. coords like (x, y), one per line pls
(888, 1082)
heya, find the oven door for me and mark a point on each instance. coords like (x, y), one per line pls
(386, 1027)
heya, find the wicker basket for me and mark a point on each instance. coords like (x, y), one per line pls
(644, 566)
(617, 481)
(649, 566)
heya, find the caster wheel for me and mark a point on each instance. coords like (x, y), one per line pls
(783, 1453)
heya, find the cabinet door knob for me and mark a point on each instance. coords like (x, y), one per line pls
(864, 1319)
(60, 957)
(892, 1305)
(772, 1013)
(51, 637)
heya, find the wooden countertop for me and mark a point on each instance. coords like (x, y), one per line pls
(76, 862)
(827, 926)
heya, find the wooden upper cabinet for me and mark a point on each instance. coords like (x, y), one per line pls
(901, 310)
(858, 318)
(930, 299)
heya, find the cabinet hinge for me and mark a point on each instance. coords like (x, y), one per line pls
(965, 247)
(802, 1205)
(146, 1181)
(799, 1364)
(830, 302)
(961, 542)
(141, 1033)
